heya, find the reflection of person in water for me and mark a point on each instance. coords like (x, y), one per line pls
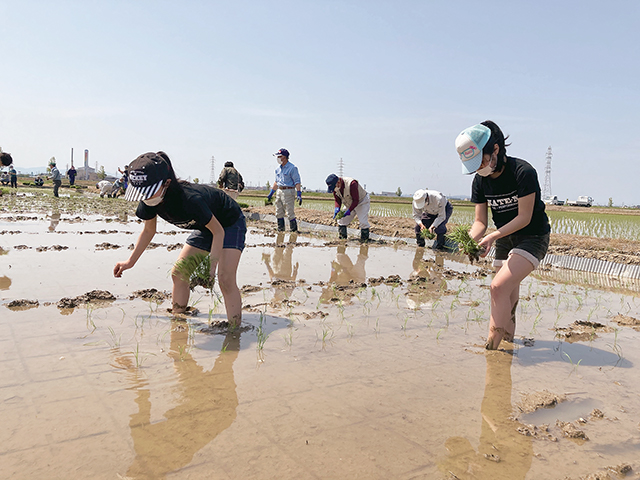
(425, 279)
(207, 403)
(502, 452)
(282, 271)
(55, 220)
(343, 270)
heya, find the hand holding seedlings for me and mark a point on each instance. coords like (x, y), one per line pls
(427, 233)
(466, 243)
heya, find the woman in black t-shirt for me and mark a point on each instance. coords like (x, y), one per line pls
(510, 187)
(217, 220)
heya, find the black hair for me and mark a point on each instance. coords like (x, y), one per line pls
(228, 164)
(496, 138)
(5, 159)
(176, 184)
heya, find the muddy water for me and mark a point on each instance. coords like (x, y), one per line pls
(334, 375)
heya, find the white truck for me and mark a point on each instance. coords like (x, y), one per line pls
(581, 202)
(554, 200)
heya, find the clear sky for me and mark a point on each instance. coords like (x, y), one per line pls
(384, 85)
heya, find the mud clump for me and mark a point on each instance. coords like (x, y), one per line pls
(107, 246)
(22, 304)
(537, 432)
(92, 296)
(619, 471)
(149, 294)
(570, 430)
(57, 248)
(174, 246)
(626, 321)
(390, 280)
(544, 399)
(250, 289)
(223, 327)
(581, 331)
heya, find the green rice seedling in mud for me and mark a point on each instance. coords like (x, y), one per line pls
(467, 245)
(574, 365)
(115, 340)
(427, 234)
(340, 214)
(139, 356)
(268, 201)
(615, 347)
(261, 336)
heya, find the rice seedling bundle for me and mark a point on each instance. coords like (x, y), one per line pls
(467, 245)
(425, 233)
(196, 269)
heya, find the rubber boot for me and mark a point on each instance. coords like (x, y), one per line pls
(281, 224)
(419, 240)
(293, 225)
(342, 231)
(439, 244)
(364, 234)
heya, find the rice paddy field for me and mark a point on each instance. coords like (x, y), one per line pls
(352, 361)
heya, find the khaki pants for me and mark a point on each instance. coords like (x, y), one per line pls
(361, 211)
(285, 200)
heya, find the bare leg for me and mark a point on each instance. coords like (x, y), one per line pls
(505, 289)
(227, 268)
(181, 292)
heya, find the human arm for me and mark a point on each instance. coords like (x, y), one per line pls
(217, 230)
(525, 212)
(442, 212)
(273, 190)
(144, 239)
(480, 222)
(355, 195)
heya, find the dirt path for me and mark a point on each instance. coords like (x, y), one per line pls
(614, 250)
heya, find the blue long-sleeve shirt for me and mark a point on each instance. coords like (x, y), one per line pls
(287, 175)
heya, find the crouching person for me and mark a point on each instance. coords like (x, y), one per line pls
(348, 192)
(217, 222)
(431, 210)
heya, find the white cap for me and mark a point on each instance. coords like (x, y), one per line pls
(419, 198)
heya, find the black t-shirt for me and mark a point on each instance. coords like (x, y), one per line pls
(194, 208)
(518, 180)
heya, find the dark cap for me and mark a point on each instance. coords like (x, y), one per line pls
(147, 173)
(283, 151)
(331, 181)
(228, 164)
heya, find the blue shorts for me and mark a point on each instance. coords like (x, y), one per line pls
(531, 247)
(234, 237)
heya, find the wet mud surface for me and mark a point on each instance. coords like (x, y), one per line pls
(352, 361)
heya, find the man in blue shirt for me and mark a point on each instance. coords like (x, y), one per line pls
(287, 182)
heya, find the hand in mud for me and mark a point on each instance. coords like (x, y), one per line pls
(121, 267)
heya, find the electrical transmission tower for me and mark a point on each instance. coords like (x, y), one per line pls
(340, 167)
(546, 191)
(212, 179)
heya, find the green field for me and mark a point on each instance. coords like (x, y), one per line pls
(601, 225)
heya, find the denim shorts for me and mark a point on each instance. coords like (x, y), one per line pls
(234, 237)
(531, 247)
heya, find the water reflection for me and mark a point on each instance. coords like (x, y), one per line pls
(282, 271)
(502, 453)
(55, 220)
(425, 280)
(344, 270)
(207, 403)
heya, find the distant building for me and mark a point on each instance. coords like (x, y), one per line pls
(91, 173)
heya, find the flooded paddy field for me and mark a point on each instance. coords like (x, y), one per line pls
(353, 361)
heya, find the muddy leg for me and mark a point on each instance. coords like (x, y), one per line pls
(180, 293)
(227, 268)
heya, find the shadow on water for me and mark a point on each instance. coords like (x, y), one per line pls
(502, 453)
(544, 351)
(207, 403)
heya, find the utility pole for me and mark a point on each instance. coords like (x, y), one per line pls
(546, 191)
(212, 179)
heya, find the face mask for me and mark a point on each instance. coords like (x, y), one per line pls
(279, 160)
(153, 202)
(488, 170)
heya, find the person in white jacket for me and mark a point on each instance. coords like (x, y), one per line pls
(431, 210)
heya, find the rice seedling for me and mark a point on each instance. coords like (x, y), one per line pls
(260, 334)
(139, 356)
(340, 214)
(467, 245)
(196, 269)
(426, 233)
(115, 341)
(268, 201)
(574, 365)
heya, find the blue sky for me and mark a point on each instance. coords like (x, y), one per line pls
(386, 86)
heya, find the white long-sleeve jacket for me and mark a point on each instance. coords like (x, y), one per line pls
(434, 204)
